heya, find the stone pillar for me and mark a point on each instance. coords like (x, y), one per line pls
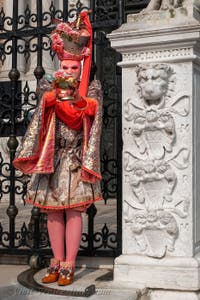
(161, 160)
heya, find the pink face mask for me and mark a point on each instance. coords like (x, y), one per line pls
(72, 67)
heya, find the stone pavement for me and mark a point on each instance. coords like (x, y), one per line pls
(10, 289)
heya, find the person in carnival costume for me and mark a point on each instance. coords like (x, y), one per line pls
(61, 146)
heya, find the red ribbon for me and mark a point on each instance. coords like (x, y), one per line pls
(83, 88)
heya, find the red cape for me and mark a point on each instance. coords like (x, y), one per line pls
(37, 150)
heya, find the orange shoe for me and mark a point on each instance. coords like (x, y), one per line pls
(66, 274)
(52, 272)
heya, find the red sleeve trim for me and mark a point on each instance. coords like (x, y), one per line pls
(90, 176)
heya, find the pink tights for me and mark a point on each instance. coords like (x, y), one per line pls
(61, 233)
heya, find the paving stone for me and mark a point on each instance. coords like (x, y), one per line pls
(106, 289)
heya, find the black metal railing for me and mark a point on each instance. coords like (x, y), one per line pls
(22, 35)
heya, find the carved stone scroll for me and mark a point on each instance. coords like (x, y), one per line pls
(153, 211)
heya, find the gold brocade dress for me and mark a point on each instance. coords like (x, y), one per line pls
(64, 163)
(64, 188)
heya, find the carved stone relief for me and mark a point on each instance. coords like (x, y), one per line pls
(165, 12)
(151, 212)
(164, 5)
(177, 53)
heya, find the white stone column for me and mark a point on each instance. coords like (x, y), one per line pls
(161, 161)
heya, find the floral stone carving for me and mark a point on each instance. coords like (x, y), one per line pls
(151, 211)
(153, 126)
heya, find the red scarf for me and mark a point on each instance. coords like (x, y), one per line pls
(71, 114)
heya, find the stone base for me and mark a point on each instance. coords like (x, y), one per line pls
(171, 295)
(173, 273)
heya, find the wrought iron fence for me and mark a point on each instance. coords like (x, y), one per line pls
(24, 34)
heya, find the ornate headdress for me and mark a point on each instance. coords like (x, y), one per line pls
(73, 41)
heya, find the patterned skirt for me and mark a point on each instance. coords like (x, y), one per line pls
(64, 188)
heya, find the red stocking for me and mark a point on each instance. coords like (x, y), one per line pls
(73, 234)
(56, 230)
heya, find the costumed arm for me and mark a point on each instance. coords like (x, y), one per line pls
(36, 152)
(91, 145)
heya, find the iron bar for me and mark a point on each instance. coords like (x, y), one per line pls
(39, 70)
(121, 12)
(12, 142)
(65, 10)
